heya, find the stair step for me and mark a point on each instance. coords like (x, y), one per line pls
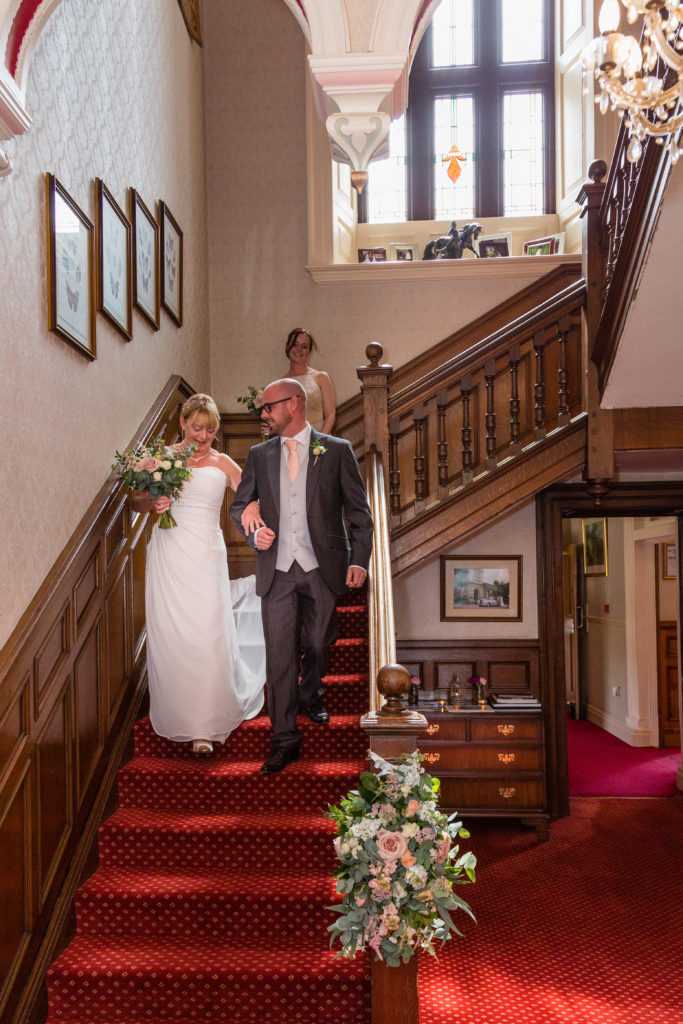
(273, 980)
(206, 784)
(349, 655)
(342, 738)
(203, 902)
(143, 838)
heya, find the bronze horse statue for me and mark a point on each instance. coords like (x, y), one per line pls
(451, 246)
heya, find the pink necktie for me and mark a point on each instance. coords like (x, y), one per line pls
(292, 458)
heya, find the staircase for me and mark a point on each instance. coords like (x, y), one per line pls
(209, 900)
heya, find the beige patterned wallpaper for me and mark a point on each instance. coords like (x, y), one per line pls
(116, 91)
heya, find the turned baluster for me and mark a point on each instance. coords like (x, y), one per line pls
(466, 391)
(442, 443)
(539, 387)
(419, 417)
(514, 356)
(489, 377)
(563, 416)
(394, 472)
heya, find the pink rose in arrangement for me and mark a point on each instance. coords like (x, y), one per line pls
(147, 465)
(391, 845)
(411, 808)
(442, 847)
(407, 860)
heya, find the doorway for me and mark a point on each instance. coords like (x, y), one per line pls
(570, 502)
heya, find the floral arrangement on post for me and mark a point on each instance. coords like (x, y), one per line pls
(399, 864)
(157, 468)
(252, 400)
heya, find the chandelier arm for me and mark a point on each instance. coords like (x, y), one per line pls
(665, 51)
(669, 127)
(625, 101)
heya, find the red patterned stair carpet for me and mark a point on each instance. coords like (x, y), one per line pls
(209, 901)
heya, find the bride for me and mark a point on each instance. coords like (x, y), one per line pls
(203, 680)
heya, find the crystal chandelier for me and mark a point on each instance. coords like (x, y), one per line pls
(623, 69)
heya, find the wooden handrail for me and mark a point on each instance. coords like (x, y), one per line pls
(382, 637)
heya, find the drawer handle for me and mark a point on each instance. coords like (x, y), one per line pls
(432, 758)
(506, 730)
(431, 729)
(506, 758)
(507, 792)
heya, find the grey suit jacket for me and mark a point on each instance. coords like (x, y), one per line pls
(334, 488)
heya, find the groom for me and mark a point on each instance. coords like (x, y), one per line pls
(303, 481)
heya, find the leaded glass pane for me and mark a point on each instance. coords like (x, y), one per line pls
(453, 126)
(523, 153)
(387, 189)
(453, 34)
(522, 30)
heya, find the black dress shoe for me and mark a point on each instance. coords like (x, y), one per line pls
(279, 759)
(318, 714)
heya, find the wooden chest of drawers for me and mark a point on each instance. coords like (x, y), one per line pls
(489, 764)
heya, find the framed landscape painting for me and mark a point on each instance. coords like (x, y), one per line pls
(114, 292)
(70, 261)
(145, 260)
(481, 588)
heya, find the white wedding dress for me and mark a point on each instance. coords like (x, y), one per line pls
(203, 680)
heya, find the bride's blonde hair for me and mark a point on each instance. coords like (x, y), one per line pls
(203, 405)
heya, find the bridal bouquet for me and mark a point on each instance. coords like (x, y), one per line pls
(156, 468)
(399, 864)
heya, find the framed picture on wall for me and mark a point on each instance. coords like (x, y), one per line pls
(114, 292)
(594, 536)
(145, 260)
(70, 261)
(481, 589)
(669, 561)
(171, 264)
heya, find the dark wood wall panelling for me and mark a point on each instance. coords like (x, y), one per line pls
(238, 432)
(72, 677)
(508, 666)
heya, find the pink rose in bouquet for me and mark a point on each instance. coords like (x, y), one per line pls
(391, 845)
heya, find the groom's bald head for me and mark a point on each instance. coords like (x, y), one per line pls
(286, 399)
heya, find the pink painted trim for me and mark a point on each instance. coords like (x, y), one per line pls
(423, 8)
(22, 19)
(302, 9)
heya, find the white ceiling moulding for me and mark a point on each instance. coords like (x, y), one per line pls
(17, 52)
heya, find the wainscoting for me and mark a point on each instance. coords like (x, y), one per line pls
(72, 677)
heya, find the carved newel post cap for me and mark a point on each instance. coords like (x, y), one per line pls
(393, 682)
(374, 353)
(597, 171)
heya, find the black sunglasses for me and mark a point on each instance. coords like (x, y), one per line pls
(267, 406)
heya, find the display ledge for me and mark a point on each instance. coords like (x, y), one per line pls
(441, 270)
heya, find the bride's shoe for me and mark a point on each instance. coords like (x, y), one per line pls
(202, 747)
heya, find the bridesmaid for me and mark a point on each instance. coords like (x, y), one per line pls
(320, 397)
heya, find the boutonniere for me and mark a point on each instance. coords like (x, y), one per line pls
(318, 449)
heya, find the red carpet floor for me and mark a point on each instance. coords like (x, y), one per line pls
(603, 765)
(208, 904)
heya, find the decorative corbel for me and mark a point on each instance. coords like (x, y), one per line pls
(356, 139)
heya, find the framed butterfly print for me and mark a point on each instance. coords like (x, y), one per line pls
(71, 291)
(114, 292)
(171, 264)
(145, 260)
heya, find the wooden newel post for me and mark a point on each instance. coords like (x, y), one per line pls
(395, 993)
(374, 380)
(599, 465)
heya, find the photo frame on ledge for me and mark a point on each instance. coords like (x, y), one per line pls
(481, 588)
(171, 264)
(70, 261)
(145, 260)
(114, 291)
(376, 255)
(547, 246)
(489, 246)
(403, 252)
(594, 538)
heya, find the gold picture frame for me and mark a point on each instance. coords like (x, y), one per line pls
(481, 588)
(594, 539)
